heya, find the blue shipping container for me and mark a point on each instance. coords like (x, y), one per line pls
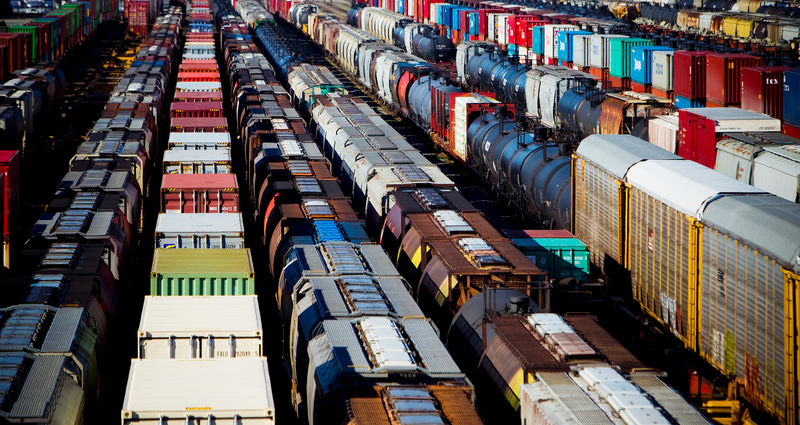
(537, 40)
(791, 97)
(474, 21)
(512, 49)
(565, 44)
(682, 102)
(642, 63)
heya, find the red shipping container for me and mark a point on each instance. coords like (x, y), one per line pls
(640, 88)
(724, 76)
(195, 109)
(199, 76)
(9, 170)
(791, 130)
(699, 130)
(689, 74)
(15, 50)
(199, 193)
(199, 125)
(762, 89)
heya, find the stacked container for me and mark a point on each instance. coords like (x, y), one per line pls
(723, 77)
(690, 88)
(200, 334)
(762, 90)
(642, 67)
(791, 103)
(619, 59)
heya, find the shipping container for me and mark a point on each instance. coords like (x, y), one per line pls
(701, 128)
(216, 161)
(691, 69)
(791, 97)
(202, 272)
(9, 172)
(196, 109)
(600, 49)
(619, 55)
(204, 230)
(662, 131)
(662, 70)
(199, 125)
(723, 76)
(762, 89)
(736, 152)
(199, 193)
(777, 170)
(199, 141)
(642, 65)
(598, 199)
(556, 252)
(232, 390)
(200, 328)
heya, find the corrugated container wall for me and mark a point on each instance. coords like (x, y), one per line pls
(791, 97)
(691, 67)
(723, 76)
(202, 272)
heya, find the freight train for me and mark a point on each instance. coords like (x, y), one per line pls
(357, 347)
(33, 84)
(447, 250)
(200, 333)
(65, 286)
(542, 172)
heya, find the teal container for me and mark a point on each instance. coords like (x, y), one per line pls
(559, 257)
(619, 55)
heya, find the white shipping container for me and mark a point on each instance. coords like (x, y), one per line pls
(199, 141)
(200, 230)
(197, 161)
(580, 50)
(736, 120)
(192, 86)
(777, 170)
(204, 327)
(663, 132)
(460, 129)
(598, 54)
(735, 159)
(227, 390)
(502, 29)
(661, 72)
(551, 38)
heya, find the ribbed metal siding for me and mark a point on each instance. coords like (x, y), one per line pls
(742, 320)
(40, 388)
(659, 260)
(596, 221)
(573, 397)
(429, 347)
(669, 399)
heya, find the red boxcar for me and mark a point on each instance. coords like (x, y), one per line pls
(724, 76)
(199, 193)
(691, 69)
(762, 89)
(9, 170)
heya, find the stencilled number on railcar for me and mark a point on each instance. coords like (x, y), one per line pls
(223, 353)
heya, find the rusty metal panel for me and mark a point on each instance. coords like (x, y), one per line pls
(612, 111)
(659, 243)
(456, 405)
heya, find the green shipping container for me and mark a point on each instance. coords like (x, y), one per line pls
(619, 55)
(558, 253)
(202, 272)
(33, 47)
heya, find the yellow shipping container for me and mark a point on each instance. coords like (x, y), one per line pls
(744, 27)
(729, 26)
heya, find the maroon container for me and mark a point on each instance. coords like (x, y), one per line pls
(196, 109)
(691, 69)
(724, 75)
(199, 193)
(199, 125)
(762, 89)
